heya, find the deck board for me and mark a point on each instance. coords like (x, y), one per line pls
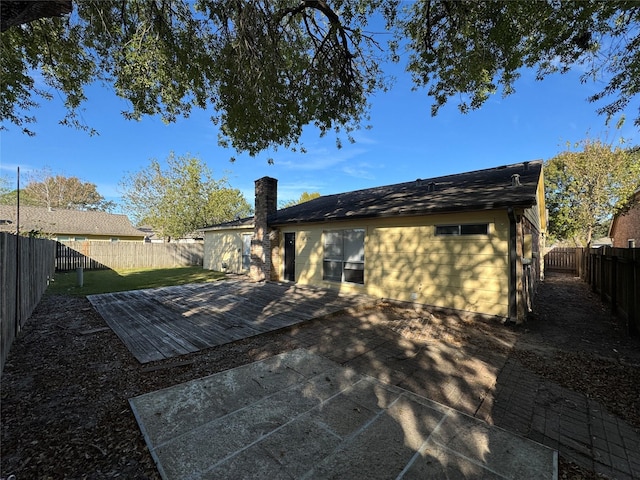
(166, 322)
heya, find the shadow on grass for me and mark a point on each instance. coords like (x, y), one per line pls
(106, 281)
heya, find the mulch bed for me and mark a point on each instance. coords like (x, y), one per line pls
(67, 381)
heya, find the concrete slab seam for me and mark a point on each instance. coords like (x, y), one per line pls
(421, 450)
(205, 425)
(351, 437)
(147, 439)
(470, 460)
(291, 420)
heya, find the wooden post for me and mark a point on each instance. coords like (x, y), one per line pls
(632, 296)
(614, 283)
(603, 295)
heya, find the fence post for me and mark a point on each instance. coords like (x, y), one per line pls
(614, 283)
(594, 269)
(632, 300)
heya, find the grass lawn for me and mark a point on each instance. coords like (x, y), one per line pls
(105, 281)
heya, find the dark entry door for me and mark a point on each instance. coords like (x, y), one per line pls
(290, 257)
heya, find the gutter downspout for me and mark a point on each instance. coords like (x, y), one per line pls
(513, 264)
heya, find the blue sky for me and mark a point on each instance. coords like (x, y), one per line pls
(405, 142)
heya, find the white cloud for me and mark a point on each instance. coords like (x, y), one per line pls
(320, 159)
(13, 168)
(360, 170)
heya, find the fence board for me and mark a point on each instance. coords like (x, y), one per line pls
(563, 259)
(123, 255)
(26, 265)
(614, 273)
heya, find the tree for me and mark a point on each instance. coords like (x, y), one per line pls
(46, 189)
(267, 68)
(5, 186)
(304, 197)
(586, 187)
(181, 198)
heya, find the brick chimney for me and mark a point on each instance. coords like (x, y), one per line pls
(266, 204)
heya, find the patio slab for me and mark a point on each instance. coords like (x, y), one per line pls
(300, 415)
(165, 322)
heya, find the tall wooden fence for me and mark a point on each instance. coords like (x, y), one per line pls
(119, 255)
(564, 259)
(26, 266)
(614, 273)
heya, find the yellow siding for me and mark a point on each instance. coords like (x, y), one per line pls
(404, 260)
(537, 214)
(224, 246)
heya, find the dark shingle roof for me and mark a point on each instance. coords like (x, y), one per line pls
(238, 223)
(478, 190)
(67, 222)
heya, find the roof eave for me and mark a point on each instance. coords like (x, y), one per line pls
(407, 213)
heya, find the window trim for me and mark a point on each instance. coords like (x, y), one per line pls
(245, 257)
(342, 260)
(460, 230)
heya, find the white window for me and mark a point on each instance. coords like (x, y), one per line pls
(343, 256)
(463, 229)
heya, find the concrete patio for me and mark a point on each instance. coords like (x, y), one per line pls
(300, 415)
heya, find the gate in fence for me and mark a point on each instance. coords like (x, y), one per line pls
(564, 259)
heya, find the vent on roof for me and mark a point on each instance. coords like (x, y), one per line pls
(431, 187)
(526, 166)
(515, 180)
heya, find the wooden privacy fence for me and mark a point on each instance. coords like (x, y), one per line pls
(614, 273)
(68, 258)
(564, 259)
(120, 255)
(26, 266)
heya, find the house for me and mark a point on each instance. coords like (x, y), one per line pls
(152, 236)
(466, 242)
(69, 225)
(625, 228)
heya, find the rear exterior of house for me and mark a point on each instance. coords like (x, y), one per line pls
(469, 242)
(227, 247)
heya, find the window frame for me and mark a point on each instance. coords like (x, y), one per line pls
(245, 254)
(440, 230)
(345, 262)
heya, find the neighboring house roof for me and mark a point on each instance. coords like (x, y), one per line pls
(602, 242)
(478, 190)
(246, 222)
(151, 234)
(67, 222)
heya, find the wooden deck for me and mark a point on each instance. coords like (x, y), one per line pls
(166, 322)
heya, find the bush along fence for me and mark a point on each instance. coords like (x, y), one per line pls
(122, 255)
(26, 267)
(614, 273)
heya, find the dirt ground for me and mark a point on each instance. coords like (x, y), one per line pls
(68, 378)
